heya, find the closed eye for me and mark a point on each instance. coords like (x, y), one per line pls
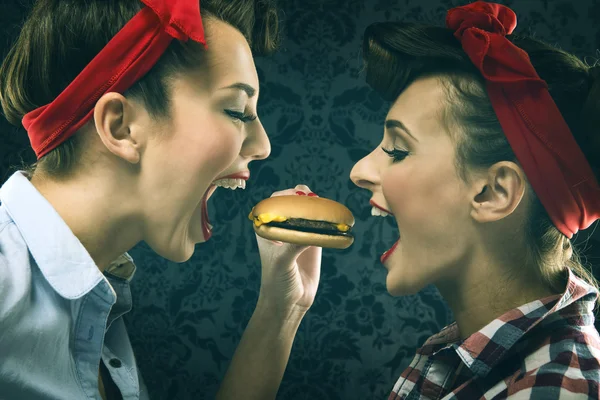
(240, 116)
(396, 154)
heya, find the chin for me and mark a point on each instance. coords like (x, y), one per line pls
(400, 286)
(178, 254)
(179, 257)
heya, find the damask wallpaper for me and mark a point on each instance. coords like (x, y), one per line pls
(321, 118)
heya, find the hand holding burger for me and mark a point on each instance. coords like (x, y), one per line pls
(290, 256)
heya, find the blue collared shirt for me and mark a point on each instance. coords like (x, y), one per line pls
(59, 315)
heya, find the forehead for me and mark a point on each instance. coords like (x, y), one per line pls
(227, 60)
(420, 106)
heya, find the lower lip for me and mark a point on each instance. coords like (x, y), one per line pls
(206, 227)
(388, 253)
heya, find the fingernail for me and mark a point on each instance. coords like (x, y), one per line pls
(311, 194)
(299, 193)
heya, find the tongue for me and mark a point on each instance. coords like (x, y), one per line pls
(388, 253)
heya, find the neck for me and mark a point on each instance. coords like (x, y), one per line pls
(106, 228)
(484, 289)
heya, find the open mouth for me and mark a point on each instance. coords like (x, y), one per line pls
(378, 211)
(228, 183)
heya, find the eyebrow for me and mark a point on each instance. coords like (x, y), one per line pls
(394, 123)
(250, 91)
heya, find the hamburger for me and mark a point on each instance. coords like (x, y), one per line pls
(304, 220)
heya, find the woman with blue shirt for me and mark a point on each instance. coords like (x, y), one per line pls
(136, 111)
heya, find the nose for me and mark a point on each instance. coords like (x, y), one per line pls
(365, 173)
(257, 145)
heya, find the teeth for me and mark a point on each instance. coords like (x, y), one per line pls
(231, 183)
(376, 212)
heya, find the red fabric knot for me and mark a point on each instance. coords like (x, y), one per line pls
(180, 18)
(481, 28)
(489, 17)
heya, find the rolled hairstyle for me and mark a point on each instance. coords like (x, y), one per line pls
(397, 54)
(60, 37)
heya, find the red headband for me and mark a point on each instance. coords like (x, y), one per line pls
(128, 56)
(538, 134)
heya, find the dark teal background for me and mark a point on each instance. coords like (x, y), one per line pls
(321, 118)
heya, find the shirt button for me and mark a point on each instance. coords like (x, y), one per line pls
(115, 363)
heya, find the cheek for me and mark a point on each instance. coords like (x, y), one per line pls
(409, 190)
(211, 148)
(421, 190)
(426, 202)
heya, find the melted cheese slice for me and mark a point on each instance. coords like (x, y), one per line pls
(343, 227)
(266, 218)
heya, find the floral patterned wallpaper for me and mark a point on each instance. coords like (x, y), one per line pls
(321, 118)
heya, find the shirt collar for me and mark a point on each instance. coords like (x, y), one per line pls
(487, 347)
(60, 256)
(123, 267)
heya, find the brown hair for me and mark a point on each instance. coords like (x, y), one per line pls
(397, 54)
(60, 37)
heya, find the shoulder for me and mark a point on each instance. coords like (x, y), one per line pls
(565, 365)
(15, 267)
(5, 219)
(13, 248)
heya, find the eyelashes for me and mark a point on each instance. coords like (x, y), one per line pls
(396, 154)
(240, 116)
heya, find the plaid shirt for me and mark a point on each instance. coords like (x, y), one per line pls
(547, 349)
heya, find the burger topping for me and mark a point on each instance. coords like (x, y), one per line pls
(266, 218)
(300, 224)
(343, 227)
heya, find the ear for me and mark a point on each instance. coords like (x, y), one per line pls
(114, 118)
(498, 192)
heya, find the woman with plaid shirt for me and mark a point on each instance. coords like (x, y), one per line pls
(489, 164)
